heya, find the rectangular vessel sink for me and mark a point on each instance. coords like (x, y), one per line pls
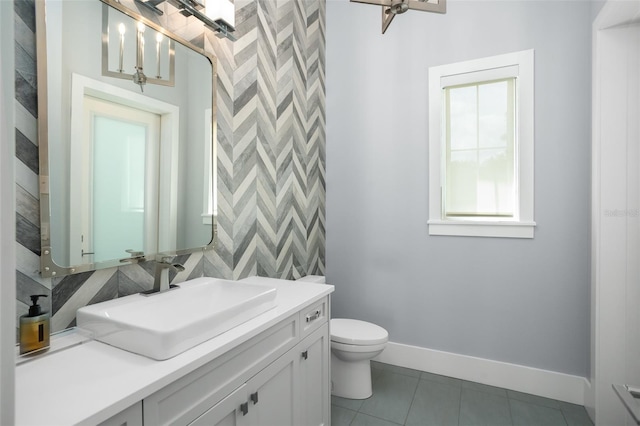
(163, 325)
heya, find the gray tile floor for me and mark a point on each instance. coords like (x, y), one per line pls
(409, 397)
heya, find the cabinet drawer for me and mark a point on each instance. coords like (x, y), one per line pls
(132, 416)
(189, 397)
(312, 317)
(225, 412)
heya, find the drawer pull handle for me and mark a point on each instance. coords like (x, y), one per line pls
(314, 315)
(254, 398)
(305, 354)
(244, 408)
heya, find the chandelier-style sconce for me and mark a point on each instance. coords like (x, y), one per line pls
(125, 53)
(391, 8)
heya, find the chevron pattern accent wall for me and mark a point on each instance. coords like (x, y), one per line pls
(271, 155)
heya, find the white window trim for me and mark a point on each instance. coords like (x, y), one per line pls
(210, 195)
(523, 225)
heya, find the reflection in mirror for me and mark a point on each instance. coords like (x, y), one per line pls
(122, 170)
(127, 54)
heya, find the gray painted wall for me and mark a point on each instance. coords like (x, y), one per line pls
(519, 301)
(596, 7)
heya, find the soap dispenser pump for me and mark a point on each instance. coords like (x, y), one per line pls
(34, 327)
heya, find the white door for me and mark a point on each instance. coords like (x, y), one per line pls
(615, 351)
(114, 200)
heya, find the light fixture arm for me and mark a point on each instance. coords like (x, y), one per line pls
(391, 8)
(190, 8)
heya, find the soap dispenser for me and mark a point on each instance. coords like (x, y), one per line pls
(34, 327)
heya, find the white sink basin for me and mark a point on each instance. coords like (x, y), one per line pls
(163, 325)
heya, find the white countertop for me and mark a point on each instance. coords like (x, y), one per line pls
(629, 400)
(90, 382)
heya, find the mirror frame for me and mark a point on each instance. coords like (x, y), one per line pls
(48, 268)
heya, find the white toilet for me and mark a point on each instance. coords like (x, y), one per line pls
(353, 344)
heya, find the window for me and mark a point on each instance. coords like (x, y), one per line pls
(481, 147)
(210, 196)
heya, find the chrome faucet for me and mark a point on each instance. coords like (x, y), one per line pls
(161, 279)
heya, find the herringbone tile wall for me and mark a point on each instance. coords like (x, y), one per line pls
(271, 155)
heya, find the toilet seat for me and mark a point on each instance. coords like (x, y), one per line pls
(357, 333)
(357, 348)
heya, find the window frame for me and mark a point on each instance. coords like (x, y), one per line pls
(210, 194)
(517, 64)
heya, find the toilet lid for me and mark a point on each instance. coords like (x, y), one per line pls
(355, 332)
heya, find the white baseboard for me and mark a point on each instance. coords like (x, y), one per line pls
(549, 384)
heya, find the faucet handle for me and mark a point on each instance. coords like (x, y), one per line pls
(136, 256)
(167, 262)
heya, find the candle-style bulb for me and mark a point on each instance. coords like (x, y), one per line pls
(158, 42)
(121, 30)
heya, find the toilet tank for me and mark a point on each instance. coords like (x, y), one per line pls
(318, 279)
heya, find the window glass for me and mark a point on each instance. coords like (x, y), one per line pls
(480, 148)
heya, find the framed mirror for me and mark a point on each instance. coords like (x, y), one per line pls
(127, 138)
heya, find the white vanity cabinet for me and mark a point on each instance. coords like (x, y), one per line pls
(272, 370)
(290, 391)
(278, 378)
(268, 398)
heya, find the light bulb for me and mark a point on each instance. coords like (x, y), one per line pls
(141, 27)
(121, 29)
(159, 38)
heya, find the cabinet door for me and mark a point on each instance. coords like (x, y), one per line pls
(273, 394)
(231, 411)
(190, 396)
(314, 378)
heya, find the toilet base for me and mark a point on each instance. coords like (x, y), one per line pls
(350, 379)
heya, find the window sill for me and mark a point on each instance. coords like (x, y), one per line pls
(482, 229)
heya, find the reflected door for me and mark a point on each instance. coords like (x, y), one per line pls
(117, 199)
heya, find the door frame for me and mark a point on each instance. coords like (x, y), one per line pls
(167, 184)
(612, 251)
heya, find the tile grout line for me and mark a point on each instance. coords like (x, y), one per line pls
(354, 417)
(460, 403)
(559, 408)
(563, 417)
(375, 417)
(509, 405)
(413, 398)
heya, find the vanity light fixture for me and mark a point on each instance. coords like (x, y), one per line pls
(124, 50)
(221, 24)
(222, 12)
(391, 8)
